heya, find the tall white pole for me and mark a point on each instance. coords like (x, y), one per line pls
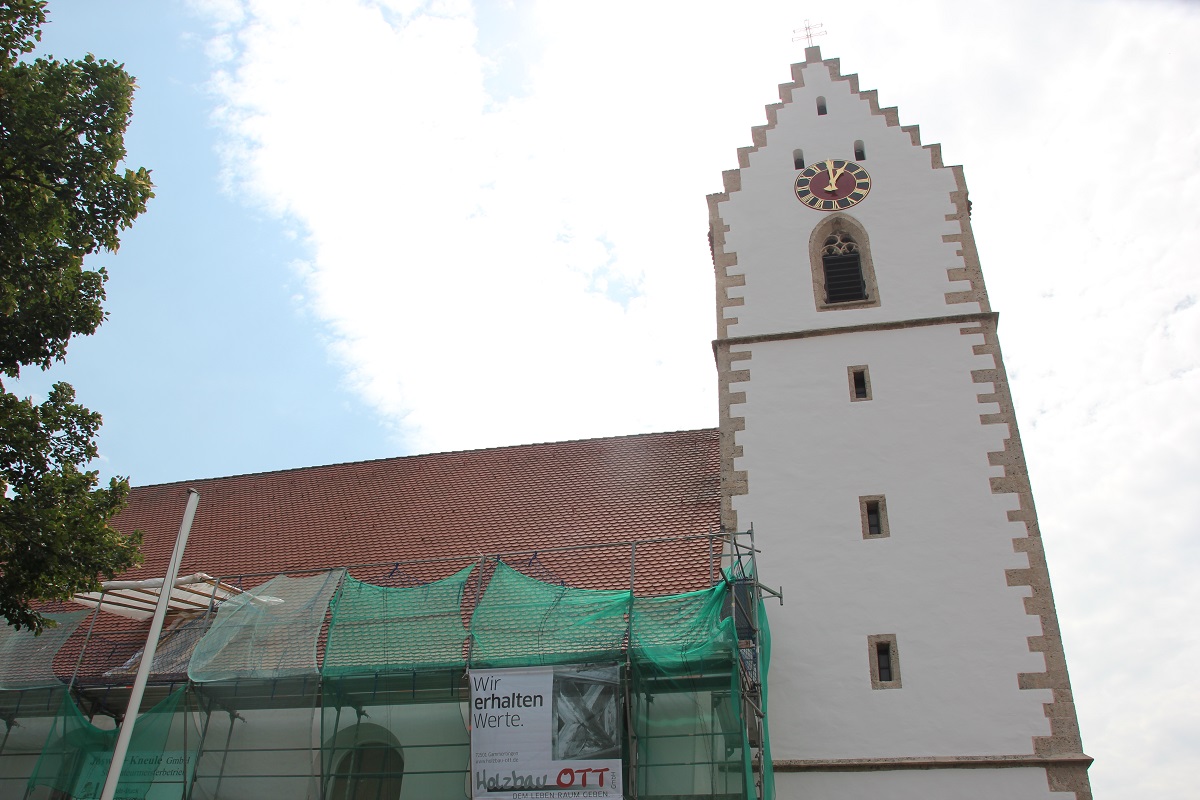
(143, 673)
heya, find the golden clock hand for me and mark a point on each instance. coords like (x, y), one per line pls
(833, 176)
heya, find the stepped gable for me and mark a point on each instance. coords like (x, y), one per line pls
(516, 499)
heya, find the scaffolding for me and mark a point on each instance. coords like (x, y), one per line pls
(352, 682)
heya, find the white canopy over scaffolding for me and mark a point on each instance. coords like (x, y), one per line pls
(136, 599)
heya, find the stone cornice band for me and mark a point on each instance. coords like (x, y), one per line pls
(925, 762)
(891, 325)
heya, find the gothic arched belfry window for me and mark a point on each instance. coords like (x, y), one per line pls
(842, 265)
(843, 275)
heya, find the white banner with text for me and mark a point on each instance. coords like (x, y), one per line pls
(546, 732)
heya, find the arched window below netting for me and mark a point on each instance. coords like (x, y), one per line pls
(369, 771)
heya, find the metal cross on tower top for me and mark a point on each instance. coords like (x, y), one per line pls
(810, 32)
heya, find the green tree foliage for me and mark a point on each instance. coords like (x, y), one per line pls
(62, 197)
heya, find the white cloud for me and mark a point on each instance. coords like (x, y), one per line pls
(485, 264)
(505, 206)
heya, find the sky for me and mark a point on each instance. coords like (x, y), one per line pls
(386, 227)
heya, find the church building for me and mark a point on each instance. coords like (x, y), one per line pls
(840, 592)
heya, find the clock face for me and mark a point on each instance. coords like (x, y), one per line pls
(832, 184)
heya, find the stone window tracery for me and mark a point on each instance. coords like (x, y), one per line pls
(839, 243)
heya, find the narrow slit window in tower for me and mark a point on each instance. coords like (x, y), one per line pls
(885, 661)
(842, 263)
(883, 653)
(873, 512)
(821, 110)
(860, 152)
(873, 525)
(798, 158)
(860, 383)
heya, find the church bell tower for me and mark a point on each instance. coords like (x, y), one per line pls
(868, 436)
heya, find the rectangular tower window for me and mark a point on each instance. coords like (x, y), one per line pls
(860, 382)
(873, 517)
(885, 661)
(883, 657)
(873, 510)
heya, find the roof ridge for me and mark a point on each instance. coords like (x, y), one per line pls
(423, 455)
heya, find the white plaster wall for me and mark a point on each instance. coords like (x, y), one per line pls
(947, 784)
(904, 215)
(433, 738)
(938, 582)
(265, 744)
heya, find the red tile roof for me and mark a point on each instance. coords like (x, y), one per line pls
(522, 498)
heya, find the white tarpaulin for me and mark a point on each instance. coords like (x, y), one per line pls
(136, 599)
(552, 730)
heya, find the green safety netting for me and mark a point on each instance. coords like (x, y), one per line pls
(270, 631)
(386, 706)
(77, 754)
(379, 628)
(692, 706)
(682, 631)
(521, 621)
(389, 710)
(28, 716)
(688, 699)
(27, 660)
